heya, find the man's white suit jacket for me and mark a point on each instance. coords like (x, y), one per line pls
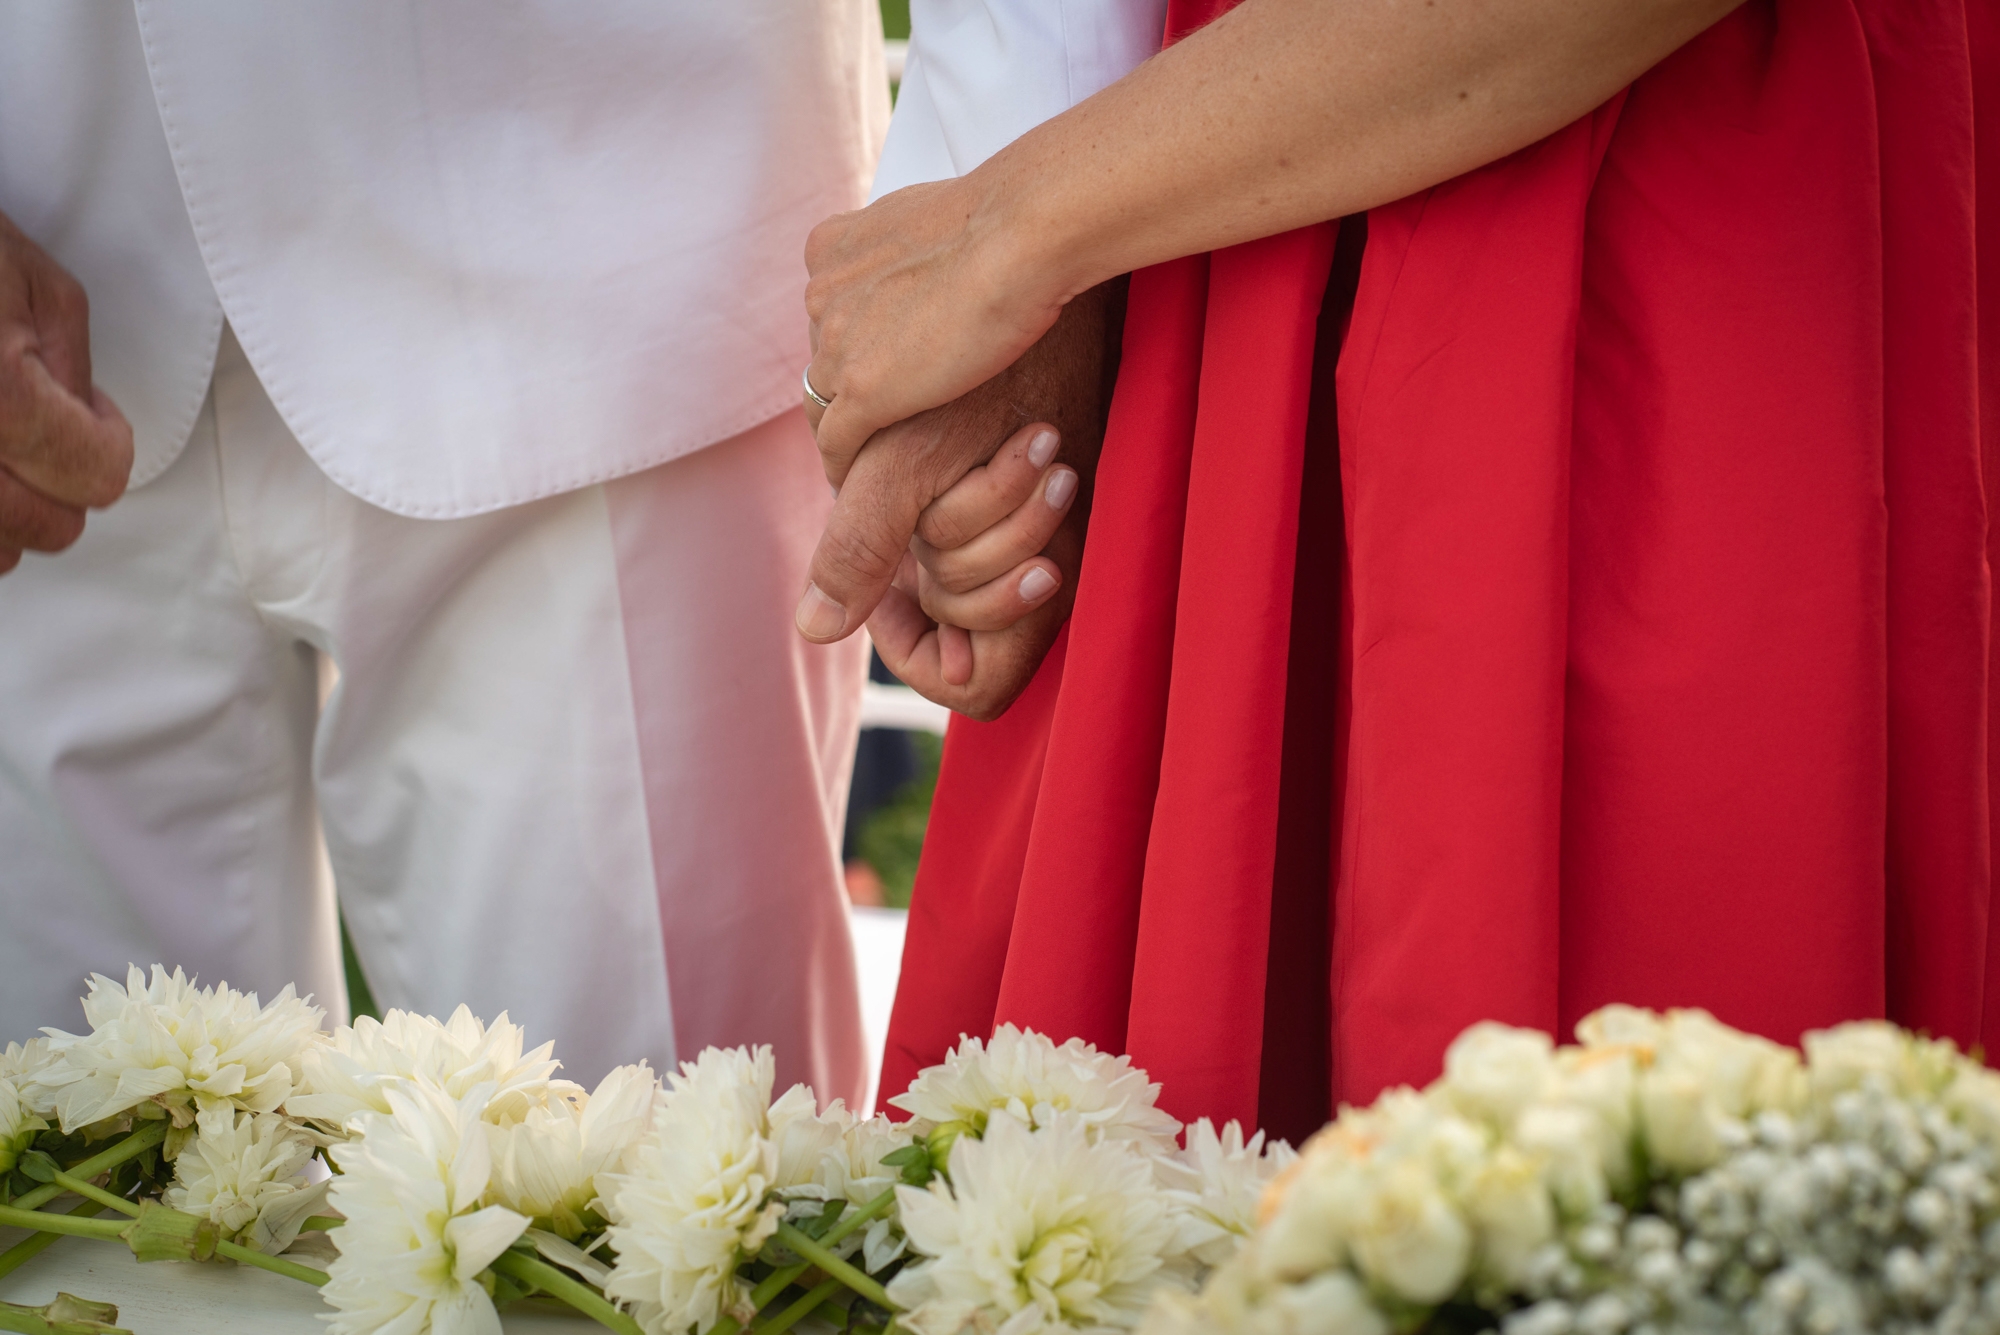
(479, 253)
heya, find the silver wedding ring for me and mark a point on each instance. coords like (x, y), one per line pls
(811, 393)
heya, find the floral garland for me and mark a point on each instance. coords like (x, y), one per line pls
(1666, 1175)
(1035, 1186)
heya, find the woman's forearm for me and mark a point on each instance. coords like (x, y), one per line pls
(1288, 112)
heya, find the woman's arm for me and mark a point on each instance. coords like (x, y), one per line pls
(1279, 114)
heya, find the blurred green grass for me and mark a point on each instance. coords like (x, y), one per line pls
(892, 839)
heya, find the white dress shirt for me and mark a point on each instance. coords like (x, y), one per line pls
(981, 73)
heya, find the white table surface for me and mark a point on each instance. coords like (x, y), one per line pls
(183, 1298)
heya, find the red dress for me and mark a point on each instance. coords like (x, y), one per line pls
(1598, 610)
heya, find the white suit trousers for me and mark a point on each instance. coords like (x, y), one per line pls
(577, 766)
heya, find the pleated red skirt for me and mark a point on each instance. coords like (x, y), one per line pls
(1573, 589)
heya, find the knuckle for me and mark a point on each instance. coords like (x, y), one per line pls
(853, 556)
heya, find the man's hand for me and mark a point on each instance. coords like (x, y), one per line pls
(64, 446)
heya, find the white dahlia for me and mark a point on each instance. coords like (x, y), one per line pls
(849, 1168)
(545, 1166)
(1028, 1076)
(1218, 1181)
(242, 1170)
(1039, 1229)
(18, 1126)
(417, 1238)
(166, 1042)
(698, 1195)
(351, 1072)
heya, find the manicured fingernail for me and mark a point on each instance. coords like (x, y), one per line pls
(1043, 448)
(1036, 585)
(1061, 486)
(820, 617)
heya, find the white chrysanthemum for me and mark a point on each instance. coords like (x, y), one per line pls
(351, 1072)
(245, 1169)
(850, 1169)
(1218, 1181)
(165, 1041)
(417, 1238)
(1029, 1076)
(545, 1166)
(18, 1126)
(1043, 1229)
(697, 1197)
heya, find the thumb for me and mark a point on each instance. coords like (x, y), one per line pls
(865, 539)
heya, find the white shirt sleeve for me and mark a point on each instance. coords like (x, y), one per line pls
(981, 73)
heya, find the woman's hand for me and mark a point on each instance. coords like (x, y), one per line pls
(914, 301)
(988, 582)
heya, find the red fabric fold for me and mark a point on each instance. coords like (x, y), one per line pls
(1640, 650)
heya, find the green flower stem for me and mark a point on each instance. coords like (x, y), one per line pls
(321, 1223)
(797, 1312)
(774, 1284)
(36, 1243)
(131, 1147)
(849, 1223)
(585, 1299)
(277, 1265)
(781, 1279)
(834, 1266)
(111, 1230)
(98, 1194)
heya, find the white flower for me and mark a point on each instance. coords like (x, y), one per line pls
(416, 1238)
(697, 1196)
(1037, 1230)
(1973, 1098)
(1876, 1053)
(1511, 1214)
(167, 1042)
(849, 1169)
(352, 1071)
(18, 1126)
(804, 1137)
(242, 1169)
(1218, 1180)
(1408, 1238)
(1568, 1143)
(1236, 1301)
(545, 1166)
(1025, 1074)
(1705, 1081)
(1493, 1071)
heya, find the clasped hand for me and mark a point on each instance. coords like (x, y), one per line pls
(957, 532)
